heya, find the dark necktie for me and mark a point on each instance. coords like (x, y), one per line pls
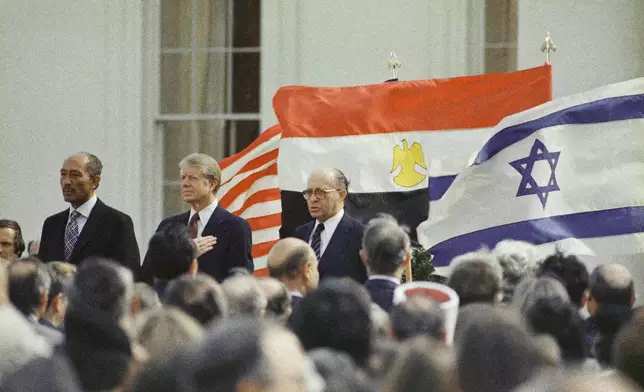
(193, 225)
(71, 234)
(316, 240)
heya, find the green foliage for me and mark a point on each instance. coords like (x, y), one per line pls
(422, 266)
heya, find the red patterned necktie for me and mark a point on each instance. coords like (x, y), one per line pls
(193, 225)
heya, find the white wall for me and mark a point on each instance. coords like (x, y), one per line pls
(71, 81)
(598, 41)
(339, 43)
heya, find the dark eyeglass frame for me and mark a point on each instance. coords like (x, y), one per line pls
(317, 192)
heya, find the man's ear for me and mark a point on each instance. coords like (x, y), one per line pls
(407, 260)
(305, 270)
(135, 306)
(584, 299)
(43, 302)
(194, 268)
(96, 180)
(363, 257)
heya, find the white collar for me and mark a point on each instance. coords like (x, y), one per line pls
(385, 277)
(205, 213)
(86, 208)
(332, 223)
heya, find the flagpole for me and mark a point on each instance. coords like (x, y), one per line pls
(548, 47)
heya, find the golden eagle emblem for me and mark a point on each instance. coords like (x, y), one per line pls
(407, 158)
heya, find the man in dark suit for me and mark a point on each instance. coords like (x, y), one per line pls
(334, 236)
(386, 251)
(223, 240)
(88, 227)
(293, 262)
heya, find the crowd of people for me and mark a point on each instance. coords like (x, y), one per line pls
(83, 313)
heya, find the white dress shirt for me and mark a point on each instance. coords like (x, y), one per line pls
(329, 228)
(385, 277)
(204, 216)
(84, 211)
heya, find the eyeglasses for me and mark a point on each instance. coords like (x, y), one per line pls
(319, 193)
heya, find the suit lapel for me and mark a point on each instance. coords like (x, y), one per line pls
(214, 223)
(337, 244)
(90, 230)
(60, 227)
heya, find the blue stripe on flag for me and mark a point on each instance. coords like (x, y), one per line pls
(601, 223)
(439, 185)
(604, 110)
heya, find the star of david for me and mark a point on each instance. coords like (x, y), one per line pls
(524, 166)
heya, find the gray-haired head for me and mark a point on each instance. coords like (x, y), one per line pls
(476, 277)
(531, 290)
(245, 296)
(337, 177)
(519, 260)
(386, 246)
(207, 164)
(94, 165)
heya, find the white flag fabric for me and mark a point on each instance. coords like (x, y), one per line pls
(568, 171)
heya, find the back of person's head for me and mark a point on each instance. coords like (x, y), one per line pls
(572, 273)
(422, 365)
(385, 246)
(62, 278)
(495, 352)
(531, 290)
(200, 297)
(144, 298)
(476, 277)
(293, 260)
(158, 375)
(559, 319)
(171, 253)
(338, 370)
(279, 300)
(612, 284)
(29, 285)
(167, 331)
(418, 315)
(337, 316)
(245, 296)
(574, 380)
(96, 343)
(244, 353)
(628, 349)
(519, 260)
(384, 353)
(381, 322)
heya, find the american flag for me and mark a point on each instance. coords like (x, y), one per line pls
(250, 190)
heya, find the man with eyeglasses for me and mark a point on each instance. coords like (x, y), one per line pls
(334, 236)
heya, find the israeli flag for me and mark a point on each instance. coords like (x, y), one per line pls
(568, 173)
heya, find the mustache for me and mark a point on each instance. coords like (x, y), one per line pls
(66, 188)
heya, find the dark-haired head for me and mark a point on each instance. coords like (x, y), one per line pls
(200, 297)
(572, 273)
(171, 253)
(11, 242)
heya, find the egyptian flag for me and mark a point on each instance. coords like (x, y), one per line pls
(396, 142)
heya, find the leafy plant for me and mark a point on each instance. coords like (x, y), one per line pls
(422, 267)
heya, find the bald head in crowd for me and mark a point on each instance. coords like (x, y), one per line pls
(610, 284)
(293, 262)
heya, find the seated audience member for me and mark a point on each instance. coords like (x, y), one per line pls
(171, 253)
(495, 352)
(519, 260)
(386, 250)
(336, 315)
(476, 277)
(278, 298)
(293, 262)
(418, 315)
(572, 273)
(423, 365)
(610, 299)
(62, 277)
(531, 290)
(96, 354)
(167, 331)
(11, 242)
(244, 295)
(244, 354)
(29, 285)
(144, 298)
(200, 297)
(19, 343)
(559, 319)
(33, 247)
(628, 349)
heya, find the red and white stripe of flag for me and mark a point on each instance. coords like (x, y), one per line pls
(250, 190)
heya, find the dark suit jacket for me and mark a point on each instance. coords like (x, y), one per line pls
(233, 247)
(342, 255)
(107, 233)
(381, 292)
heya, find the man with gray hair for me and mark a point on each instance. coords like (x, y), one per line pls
(386, 251)
(476, 277)
(88, 227)
(223, 240)
(245, 296)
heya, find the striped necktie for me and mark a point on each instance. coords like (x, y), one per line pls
(193, 225)
(71, 234)
(316, 240)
